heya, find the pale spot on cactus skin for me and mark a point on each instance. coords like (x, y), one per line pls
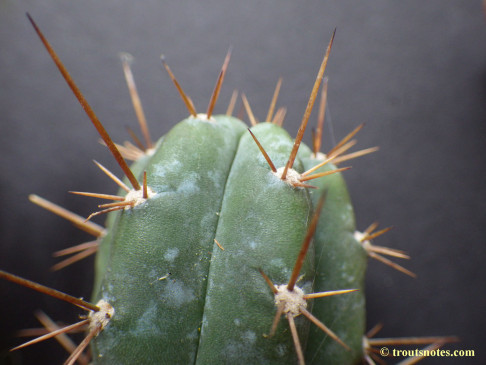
(277, 262)
(193, 335)
(146, 323)
(280, 144)
(169, 166)
(171, 254)
(215, 176)
(208, 302)
(207, 222)
(240, 253)
(281, 350)
(189, 185)
(242, 352)
(249, 336)
(253, 245)
(175, 293)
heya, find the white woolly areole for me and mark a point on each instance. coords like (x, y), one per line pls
(150, 151)
(204, 116)
(136, 197)
(291, 300)
(320, 156)
(101, 318)
(359, 237)
(292, 178)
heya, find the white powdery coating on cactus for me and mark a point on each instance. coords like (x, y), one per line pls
(146, 324)
(253, 245)
(101, 318)
(249, 336)
(171, 254)
(292, 178)
(176, 294)
(136, 196)
(292, 300)
(190, 184)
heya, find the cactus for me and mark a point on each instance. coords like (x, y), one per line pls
(219, 237)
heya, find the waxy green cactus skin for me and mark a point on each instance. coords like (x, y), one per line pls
(262, 224)
(188, 172)
(212, 182)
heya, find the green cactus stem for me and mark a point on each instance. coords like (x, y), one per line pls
(220, 235)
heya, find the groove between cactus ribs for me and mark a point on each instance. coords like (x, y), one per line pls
(216, 244)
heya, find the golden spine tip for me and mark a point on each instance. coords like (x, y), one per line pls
(89, 227)
(85, 105)
(274, 101)
(62, 338)
(345, 140)
(317, 138)
(279, 116)
(308, 110)
(185, 98)
(49, 291)
(219, 83)
(136, 140)
(248, 110)
(52, 334)
(127, 60)
(117, 181)
(232, 103)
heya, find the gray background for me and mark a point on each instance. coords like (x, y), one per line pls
(413, 71)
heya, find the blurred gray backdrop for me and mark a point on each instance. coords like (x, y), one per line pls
(413, 71)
